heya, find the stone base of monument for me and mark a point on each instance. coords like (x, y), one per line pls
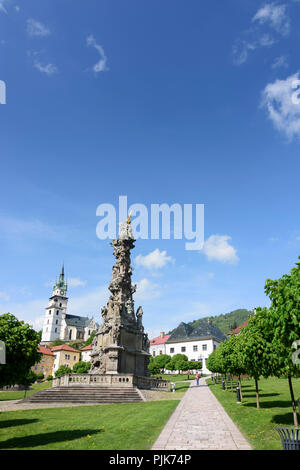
(112, 380)
(97, 388)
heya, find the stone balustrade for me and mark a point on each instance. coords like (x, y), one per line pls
(111, 380)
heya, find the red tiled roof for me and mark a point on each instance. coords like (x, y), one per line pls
(86, 348)
(44, 350)
(159, 340)
(237, 330)
(64, 347)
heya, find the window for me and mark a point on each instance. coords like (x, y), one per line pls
(43, 359)
(70, 335)
(36, 367)
(47, 368)
(215, 346)
(56, 322)
(171, 350)
(182, 348)
(195, 348)
(153, 353)
(60, 305)
(160, 352)
(204, 347)
(55, 330)
(74, 358)
(89, 332)
(42, 368)
(67, 357)
(57, 312)
(49, 312)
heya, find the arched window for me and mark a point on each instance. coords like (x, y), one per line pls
(70, 334)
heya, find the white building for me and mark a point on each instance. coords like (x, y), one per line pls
(158, 345)
(86, 353)
(60, 325)
(196, 343)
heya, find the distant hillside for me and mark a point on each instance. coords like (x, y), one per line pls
(225, 322)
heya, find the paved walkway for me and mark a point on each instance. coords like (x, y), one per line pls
(200, 423)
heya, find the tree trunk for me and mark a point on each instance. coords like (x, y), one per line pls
(240, 382)
(257, 393)
(293, 402)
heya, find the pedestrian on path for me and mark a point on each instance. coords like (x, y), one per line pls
(197, 378)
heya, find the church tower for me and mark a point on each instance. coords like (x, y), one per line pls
(56, 310)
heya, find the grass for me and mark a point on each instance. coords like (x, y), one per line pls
(126, 426)
(275, 410)
(19, 394)
(175, 377)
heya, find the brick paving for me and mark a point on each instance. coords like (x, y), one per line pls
(200, 423)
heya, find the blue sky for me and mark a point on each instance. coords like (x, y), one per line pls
(165, 102)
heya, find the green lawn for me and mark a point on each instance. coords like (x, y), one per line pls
(175, 377)
(258, 424)
(126, 426)
(19, 395)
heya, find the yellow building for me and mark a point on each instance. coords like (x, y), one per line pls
(64, 355)
(45, 366)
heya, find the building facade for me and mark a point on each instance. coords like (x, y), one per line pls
(196, 343)
(86, 353)
(158, 345)
(64, 355)
(60, 325)
(45, 366)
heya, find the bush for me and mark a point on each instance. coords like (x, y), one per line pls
(49, 377)
(62, 370)
(81, 367)
(40, 376)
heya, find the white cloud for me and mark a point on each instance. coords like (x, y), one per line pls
(75, 282)
(147, 290)
(48, 69)
(216, 247)
(156, 259)
(35, 28)
(275, 16)
(280, 61)
(242, 48)
(101, 65)
(2, 7)
(278, 99)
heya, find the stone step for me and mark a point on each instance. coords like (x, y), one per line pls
(85, 395)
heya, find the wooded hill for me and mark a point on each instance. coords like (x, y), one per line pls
(225, 322)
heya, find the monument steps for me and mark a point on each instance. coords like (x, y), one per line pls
(85, 394)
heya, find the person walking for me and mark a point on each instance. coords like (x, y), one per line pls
(197, 378)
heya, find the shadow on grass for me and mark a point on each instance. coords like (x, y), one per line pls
(46, 438)
(270, 404)
(16, 422)
(286, 419)
(253, 395)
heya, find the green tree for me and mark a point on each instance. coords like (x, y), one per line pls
(81, 367)
(21, 343)
(62, 370)
(153, 367)
(57, 342)
(284, 321)
(259, 352)
(90, 339)
(161, 360)
(176, 362)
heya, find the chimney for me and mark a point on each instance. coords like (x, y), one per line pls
(162, 334)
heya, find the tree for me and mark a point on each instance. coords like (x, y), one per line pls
(162, 360)
(177, 362)
(21, 342)
(57, 342)
(62, 370)
(153, 367)
(81, 367)
(284, 321)
(90, 339)
(259, 353)
(29, 379)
